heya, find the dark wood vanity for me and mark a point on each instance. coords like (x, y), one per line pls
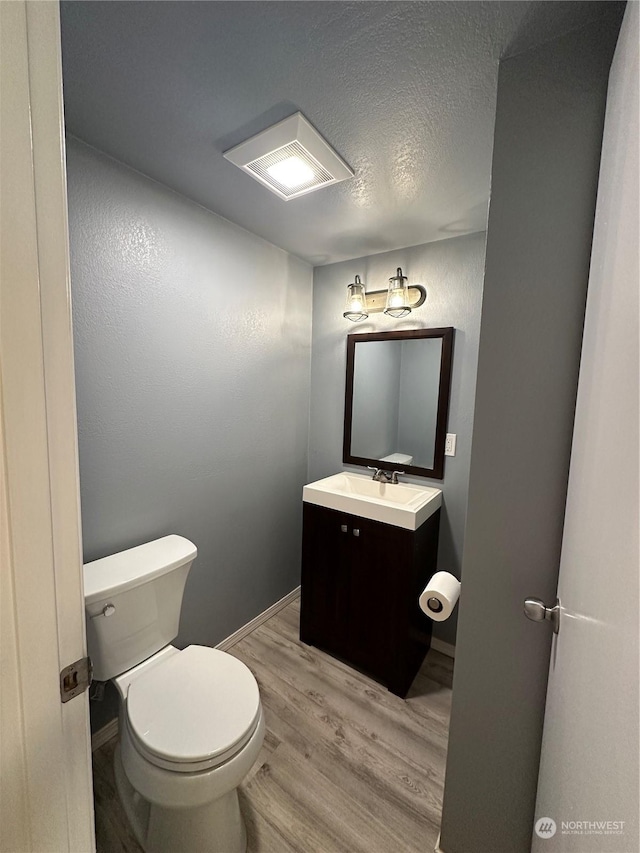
(361, 580)
(362, 574)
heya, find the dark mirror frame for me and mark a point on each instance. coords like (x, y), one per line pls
(444, 393)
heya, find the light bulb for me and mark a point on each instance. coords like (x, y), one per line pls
(291, 173)
(398, 296)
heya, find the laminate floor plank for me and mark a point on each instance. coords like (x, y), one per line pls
(290, 649)
(406, 804)
(346, 766)
(436, 672)
(372, 744)
(348, 694)
(326, 816)
(298, 721)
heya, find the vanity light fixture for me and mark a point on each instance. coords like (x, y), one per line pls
(290, 158)
(397, 301)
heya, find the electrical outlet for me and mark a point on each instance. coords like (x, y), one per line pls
(450, 444)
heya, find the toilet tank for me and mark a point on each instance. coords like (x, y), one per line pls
(133, 601)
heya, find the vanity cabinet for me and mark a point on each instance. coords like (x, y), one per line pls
(361, 580)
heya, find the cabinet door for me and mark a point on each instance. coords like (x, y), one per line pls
(325, 566)
(380, 557)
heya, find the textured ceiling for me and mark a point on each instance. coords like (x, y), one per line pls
(405, 91)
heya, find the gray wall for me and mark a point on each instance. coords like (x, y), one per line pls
(376, 391)
(452, 272)
(192, 346)
(548, 135)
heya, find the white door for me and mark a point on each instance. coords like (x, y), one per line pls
(588, 798)
(46, 799)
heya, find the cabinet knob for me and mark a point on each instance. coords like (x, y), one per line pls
(356, 532)
(344, 528)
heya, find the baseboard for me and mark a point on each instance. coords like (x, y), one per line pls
(259, 619)
(104, 734)
(442, 647)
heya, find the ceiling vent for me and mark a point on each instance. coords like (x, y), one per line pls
(290, 158)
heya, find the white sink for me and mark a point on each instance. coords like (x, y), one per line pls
(403, 505)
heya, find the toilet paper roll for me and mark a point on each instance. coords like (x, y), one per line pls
(439, 597)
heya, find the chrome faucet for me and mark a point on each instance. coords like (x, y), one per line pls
(381, 476)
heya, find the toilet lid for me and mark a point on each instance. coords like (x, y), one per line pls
(195, 706)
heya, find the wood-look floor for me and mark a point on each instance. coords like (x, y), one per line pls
(346, 766)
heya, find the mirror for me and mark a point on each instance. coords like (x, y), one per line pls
(397, 400)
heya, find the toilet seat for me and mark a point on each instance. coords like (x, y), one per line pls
(193, 711)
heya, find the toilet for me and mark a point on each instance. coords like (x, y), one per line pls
(191, 723)
(398, 459)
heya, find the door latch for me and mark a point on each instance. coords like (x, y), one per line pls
(537, 611)
(75, 679)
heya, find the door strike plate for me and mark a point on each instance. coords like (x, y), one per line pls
(75, 679)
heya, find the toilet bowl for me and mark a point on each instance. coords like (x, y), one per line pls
(191, 722)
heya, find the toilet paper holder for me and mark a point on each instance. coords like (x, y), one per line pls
(439, 597)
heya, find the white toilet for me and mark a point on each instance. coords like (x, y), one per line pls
(191, 722)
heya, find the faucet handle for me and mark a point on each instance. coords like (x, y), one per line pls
(394, 477)
(378, 474)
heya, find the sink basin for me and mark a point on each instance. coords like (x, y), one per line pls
(403, 505)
